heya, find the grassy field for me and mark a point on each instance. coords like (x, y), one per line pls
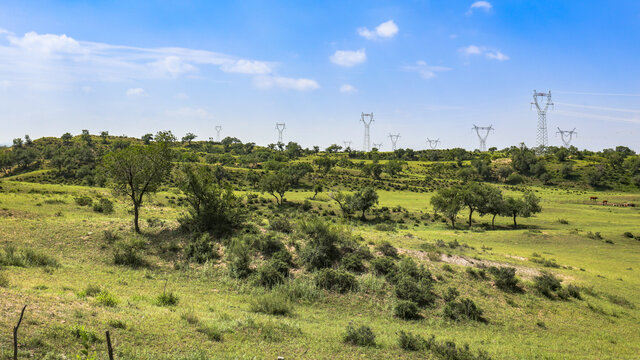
(213, 317)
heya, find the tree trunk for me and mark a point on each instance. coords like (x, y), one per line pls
(453, 223)
(470, 214)
(515, 226)
(493, 222)
(136, 211)
(363, 217)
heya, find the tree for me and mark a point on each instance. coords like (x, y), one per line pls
(374, 170)
(188, 138)
(363, 200)
(213, 208)
(325, 163)
(333, 148)
(473, 196)
(317, 188)
(294, 150)
(27, 140)
(86, 137)
(147, 138)
(526, 206)
(66, 138)
(276, 184)
(493, 204)
(522, 159)
(448, 202)
(343, 200)
(104, 135)
(5, 161)
(394, 167)
(137, 171)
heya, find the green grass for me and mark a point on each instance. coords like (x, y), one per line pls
(219, 317)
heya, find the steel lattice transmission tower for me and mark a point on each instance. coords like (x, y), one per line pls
(347, 144)
(567, 136)
(483, 134)
(377, 145)
(280, 127)
(394, 140)
(367, 138)
(218, 129)
(542, 137)
(433, 143)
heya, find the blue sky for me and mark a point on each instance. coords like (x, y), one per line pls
(426, 69)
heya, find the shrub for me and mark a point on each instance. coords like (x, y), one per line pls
(476, 274)
(272, 304)
(336, 280)
(92, 290)
(269, 276)
(353, 262)
(465, 309)
(105, 298)
(563, 221)
(387, 249)
(406, 310)
(574, 291)
(201, 249)
(448, 350)
(269, 244)
(299, 289)
(384, 265)
(239, 258)
(166, 299)
(211, 332)
(628, 234)
(323, 247)
(127, 254)
(547, 284)
(4, 280)
(410, 342)
(359, 336)
(83, 333)
(190, 317)
(419, 292)
(104, 206)
(83, 200)
(515, 179)
(385, 227)
(117, 324)
(25, 257)
(505, 278)
(281, 224)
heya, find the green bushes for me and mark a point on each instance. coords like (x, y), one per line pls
(419, 292)
(4, 280)
(239, 258)
(464, 309)
(323, 246)
(25, 257)
(548, 285)
(128, 254)
(406, 310)
(447, 350)
(104, 206)
(505, 278)
(166, 299)
(353, 262)
(105, 298)
(272, 303)
(383, 265)
(336, 280)
(270, 274)
(387, 249)
(83, 201)
(281, 224)
(359, 336)
(201, 249)
(410, 342)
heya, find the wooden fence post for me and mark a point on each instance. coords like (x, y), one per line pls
(15, 335)
(109, 348)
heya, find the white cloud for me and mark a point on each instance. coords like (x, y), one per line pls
(473, 50)
(348, 89)
(136, 92)
(243, 66)
(426, 71)
(387, 29)
(47, 44)
(348, 58)
(172, 66)
(481, 5)
(268, 82)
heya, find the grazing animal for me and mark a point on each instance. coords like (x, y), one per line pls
(593, 198)
(605, 202)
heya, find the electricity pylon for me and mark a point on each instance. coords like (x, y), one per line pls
(280, 127)
(218, 129)
(394, 140)
(433, 143)
(542, 138)
(567, 136)
(367, 139)
(347, 144)
(377, 145)
(483, 133)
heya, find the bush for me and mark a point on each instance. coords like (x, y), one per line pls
(25, 257)
(269, 244)
(419, 292)
(201, 249)
(406, 310)
(268, 275)
(547, 284)
(387, 249)
(410, 342)
(281, 224)
(299, 289)
(83, 201)
(448, 350)
(336, 280)
(384, 265)
(166, 299)
(103, 206)
(505, 278)
(465, 309)
(239, 258)
(476, 274)
(212, 333)
(91, 290)
(105, 298)
(323, 247)
(515, 179)
(353, 262)
(272, 304)
(4, 280)
(628, 234)
(127, 254)
(359, 336)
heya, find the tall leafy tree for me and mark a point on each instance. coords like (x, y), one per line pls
(137, 171)
(276, 184)
(525, 206)
(493, 204)
(364, 200)
(448, 202)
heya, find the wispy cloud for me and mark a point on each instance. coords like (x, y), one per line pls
(473, 50)
(602, 108)
(387, 29)
(268, 82)
(599, 117)
(347, 89)
(426, 71)
(348, 58)
(480, 5)
(136, 92)
(50, 60)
